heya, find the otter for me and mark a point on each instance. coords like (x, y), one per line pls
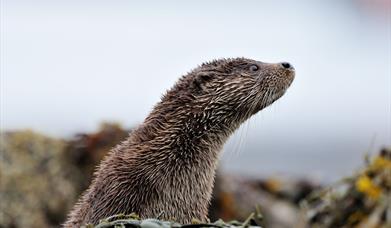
(166, 167)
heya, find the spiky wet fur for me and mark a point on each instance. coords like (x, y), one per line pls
(167, 165)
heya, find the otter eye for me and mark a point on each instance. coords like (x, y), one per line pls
(254, 67)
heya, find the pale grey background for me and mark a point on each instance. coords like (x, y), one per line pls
(68, 65)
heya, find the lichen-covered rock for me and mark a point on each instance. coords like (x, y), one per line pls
(363, 200)
(35, 186)
(41, 177)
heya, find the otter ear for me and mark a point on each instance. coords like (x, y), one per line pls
(201, 78)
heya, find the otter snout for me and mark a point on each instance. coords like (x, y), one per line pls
(287, 66)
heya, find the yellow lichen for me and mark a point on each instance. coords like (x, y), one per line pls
(365, 185)
(380, 163)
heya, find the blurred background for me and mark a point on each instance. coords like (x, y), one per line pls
(67, 66)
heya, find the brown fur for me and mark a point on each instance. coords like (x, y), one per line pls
(167, 165)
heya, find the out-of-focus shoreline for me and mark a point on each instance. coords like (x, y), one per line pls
(42, 177)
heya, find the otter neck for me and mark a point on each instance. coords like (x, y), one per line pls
(186, 133)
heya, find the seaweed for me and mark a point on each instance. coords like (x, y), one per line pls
(133, 220)
(362, 200)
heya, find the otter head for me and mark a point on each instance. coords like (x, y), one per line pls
(221, 94)
(235, 89)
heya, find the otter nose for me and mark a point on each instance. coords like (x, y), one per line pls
(287, 65)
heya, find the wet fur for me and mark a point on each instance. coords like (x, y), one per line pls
(167, 165)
